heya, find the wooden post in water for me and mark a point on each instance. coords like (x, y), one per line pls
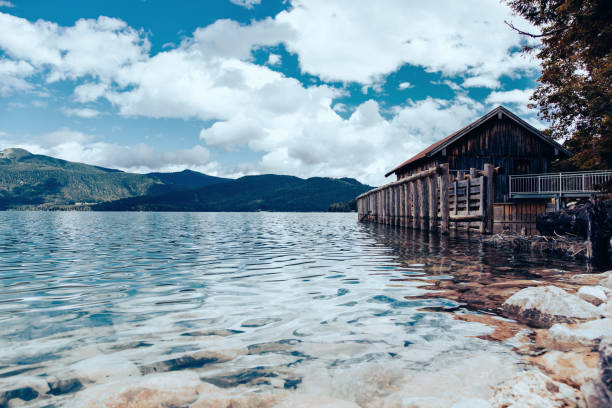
(398, 204)
(402, 207)
(489, 171)
(408, 205)
(456, 197)
(482, 205)
(377, 206)
(444, 186)
(433, 201)
(393, 205)
(467, 200)
(386, 210)
(413, 197)
(422, 203)
(389, 205)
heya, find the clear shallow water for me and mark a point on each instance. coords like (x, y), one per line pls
(311, 302)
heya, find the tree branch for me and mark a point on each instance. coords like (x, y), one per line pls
(521, 32)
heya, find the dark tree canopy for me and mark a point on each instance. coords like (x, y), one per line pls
(575, 91)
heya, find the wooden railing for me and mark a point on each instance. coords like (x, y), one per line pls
(433, 199)
(558, 184)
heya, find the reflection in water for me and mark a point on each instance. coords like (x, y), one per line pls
(314, 302)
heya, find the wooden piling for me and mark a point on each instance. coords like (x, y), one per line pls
(422, 191)
(415, 206)
(482, 205)
(490, 196)
(444, 213)
(433, 201)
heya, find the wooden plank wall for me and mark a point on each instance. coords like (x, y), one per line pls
(519, 217)
(433, 199)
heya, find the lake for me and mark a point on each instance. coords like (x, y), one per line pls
(306, 302)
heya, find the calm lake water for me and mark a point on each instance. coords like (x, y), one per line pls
(310, 302)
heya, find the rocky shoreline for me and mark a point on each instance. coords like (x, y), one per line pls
(563, 329)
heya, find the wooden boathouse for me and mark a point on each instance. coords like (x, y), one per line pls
(466, 180)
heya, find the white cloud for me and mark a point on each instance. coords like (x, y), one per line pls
(13, 76)
(361, 40)
(518, 98)
(229, 39)
(77, 146)
(4, 3)
(295, 128)
(246, 3)
(274, 59)
(63, 136)
(340, 107)
(405, 85)
(97, 47)
(40, 104)
(89, 92)
(82, 112)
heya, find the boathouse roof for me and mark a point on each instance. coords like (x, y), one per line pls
(452, 138)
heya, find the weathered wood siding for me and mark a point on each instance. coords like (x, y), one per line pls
(500, 142)
(518, 217)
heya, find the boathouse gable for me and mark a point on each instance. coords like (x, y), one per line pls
(500, 138)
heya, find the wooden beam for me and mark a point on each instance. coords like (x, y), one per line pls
(465, 217)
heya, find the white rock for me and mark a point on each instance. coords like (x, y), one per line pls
(210, 396)
(179, 389)
(595, 395)
(472, 403)
(593, 294)
(533, 390)
(606, 309)
(607, 282)
(542, 306)
(307, 401)
(564, 337)
(103, 368)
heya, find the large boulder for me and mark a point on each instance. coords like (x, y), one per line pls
(588, 334)
(544, 306)
(176, 389)
(593, 294)
(607, 282)
(605, 363)
(533, 390)
(597, 393)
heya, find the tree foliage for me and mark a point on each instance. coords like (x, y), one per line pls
(575, 91)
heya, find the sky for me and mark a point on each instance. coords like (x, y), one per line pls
(333, 88)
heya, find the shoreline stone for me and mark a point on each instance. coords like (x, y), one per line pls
(534, 390)
(544, 306)
(595, 295)
(589, 334)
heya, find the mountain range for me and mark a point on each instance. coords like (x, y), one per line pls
(31, 181)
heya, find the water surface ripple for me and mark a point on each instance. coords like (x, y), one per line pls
(287, 300)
